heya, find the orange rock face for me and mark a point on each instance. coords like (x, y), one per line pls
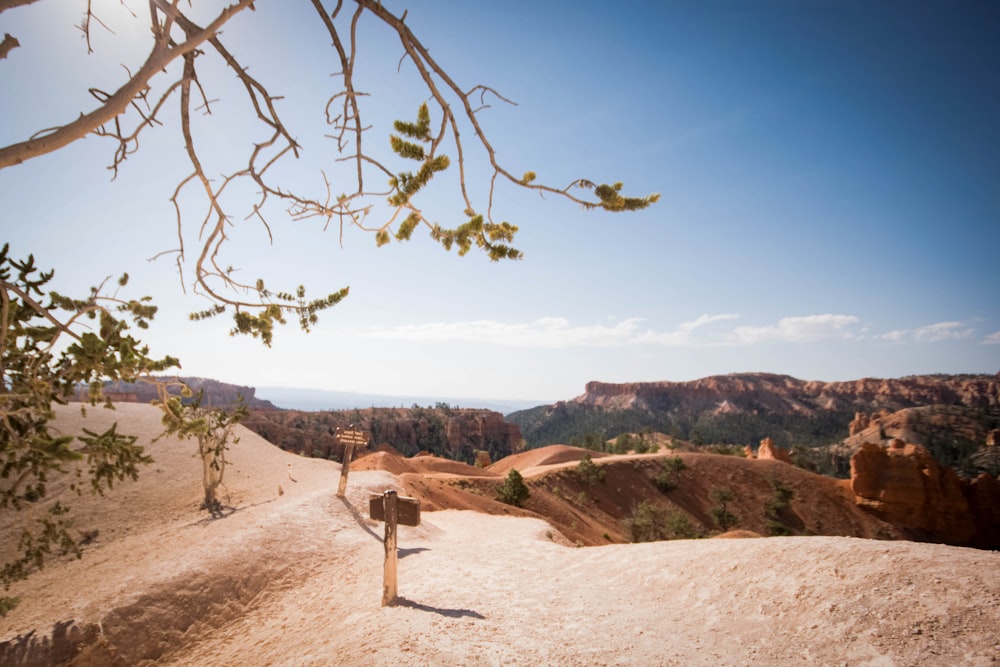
(905, 485)
(768, 450)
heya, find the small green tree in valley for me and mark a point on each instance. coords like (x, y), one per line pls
(651, 522)
(668, 478)
(623, 444)
(776, 506)
(513, 491)
(720, 512)
(588, 471)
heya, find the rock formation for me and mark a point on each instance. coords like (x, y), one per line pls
(768, 450)
(214, 393)
(903, 484)
(749, 392)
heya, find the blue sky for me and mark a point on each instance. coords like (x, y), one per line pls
(829, 177)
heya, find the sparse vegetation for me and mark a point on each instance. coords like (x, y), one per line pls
(725, 450)
(629, 442)
(7, 604)
(668, 478)
(513, 491)
(986, 459)
(213, 429)
(774, 507)
(589, 472)
(724, 519)
(651, 522)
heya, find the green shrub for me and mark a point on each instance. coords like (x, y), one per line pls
(513, 491)
(7, 604)
(775, 505)
(668, 478)
(724, 519)
(588, 471)
(650, 522)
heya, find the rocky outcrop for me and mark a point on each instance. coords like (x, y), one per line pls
(903, 484)
(751, 392)
(938, 411)
(768, 450)
(864, 421)
(213, 393)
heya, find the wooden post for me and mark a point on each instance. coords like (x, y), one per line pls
(349, 438)
(345, 468)
(389, 576)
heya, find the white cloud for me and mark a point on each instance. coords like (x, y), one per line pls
(804, 329)
(993, 338)
(559, 332)
(546, 332)
(934, 333)
(682, 335)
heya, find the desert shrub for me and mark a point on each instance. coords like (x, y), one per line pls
(482, 459)
(725, 450)
(7, 604)
(650, 522)
(588, 471)
(513, 491)
(668, 478)
(628, 442)
(775, 505)
(724, 519)
(679, 527)
(623, 444)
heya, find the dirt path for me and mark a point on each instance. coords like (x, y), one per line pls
(294, 578)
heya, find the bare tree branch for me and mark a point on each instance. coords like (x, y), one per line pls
(116, 104)
(385, 211)
(11, 4)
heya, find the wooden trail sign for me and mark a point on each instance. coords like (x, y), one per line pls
(349, 438)
(407, 509)
(392, 509)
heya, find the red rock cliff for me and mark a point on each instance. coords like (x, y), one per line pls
(903, 484)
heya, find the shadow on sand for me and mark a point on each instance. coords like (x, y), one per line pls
(451, 613)
(360, 519)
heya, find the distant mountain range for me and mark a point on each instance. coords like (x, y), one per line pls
(318, 399)
(307, 400)
(955, 413)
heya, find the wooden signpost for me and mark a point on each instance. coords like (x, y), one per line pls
(349, 438)
(393, 509)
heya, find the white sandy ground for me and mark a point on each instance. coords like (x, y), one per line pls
(295, 579)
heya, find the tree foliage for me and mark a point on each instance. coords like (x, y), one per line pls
(651, 522)
(212, 428)
(380, 174)
(589, 472)
(720, 512)
(52, 346)
(513, 491)
(669, 477)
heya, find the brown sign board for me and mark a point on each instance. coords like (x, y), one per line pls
(352, 437)
(407, 509)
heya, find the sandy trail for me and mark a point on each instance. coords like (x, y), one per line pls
(294, 578)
